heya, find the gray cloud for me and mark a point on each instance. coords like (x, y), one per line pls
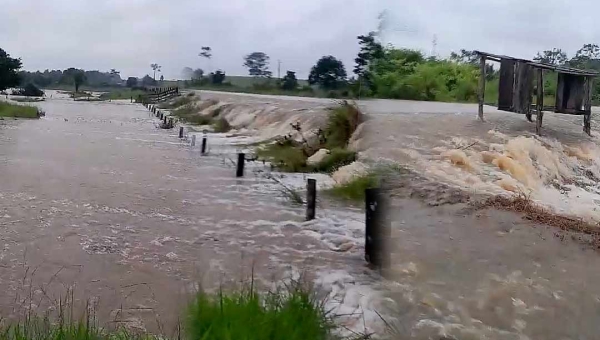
(129, 35)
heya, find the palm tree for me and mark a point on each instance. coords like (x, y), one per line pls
(155, 67)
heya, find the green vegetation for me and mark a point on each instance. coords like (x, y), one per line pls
(178, 102)
(337, 158)
(290, 313)
(291, 156)
(190, 114)
(285, 156)
(221, 125)
(355, 189)
(18, 111)
(122, 94)
(9, 68)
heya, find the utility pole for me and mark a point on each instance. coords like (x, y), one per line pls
(278, 69)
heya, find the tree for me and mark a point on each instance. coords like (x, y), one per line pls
(206, 52)
(554, 57)
(148, 81)
(187, 73)
(79, 79)
(218, 77)
(329, 73)
(132, 82)
(198, 74)
(586, 57)
(9, 67)
(465, 57)
(114, 72)
(155, 67)
(257, 64)
(289, 81)
(370, 50)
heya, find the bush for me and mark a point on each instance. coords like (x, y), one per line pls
(355, 189)
(342, 122)
(221, 125)
(29, 90)
(285, 156)
(336, 159)
(18, 111)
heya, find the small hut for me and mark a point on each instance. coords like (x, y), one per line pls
(521, 79)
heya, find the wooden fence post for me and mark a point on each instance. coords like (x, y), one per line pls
(240, 165)
(311, 199)
(203, 150)
(377, 230)
(193, 140)
(181, 132)
(481, 85)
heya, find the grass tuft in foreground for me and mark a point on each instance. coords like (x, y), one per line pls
(18, 111)
(355, 189)
(293, 314)
(285, 156)
(337, 158)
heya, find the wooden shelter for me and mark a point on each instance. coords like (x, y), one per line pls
(521, 79)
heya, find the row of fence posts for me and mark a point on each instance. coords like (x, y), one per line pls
(377, 227)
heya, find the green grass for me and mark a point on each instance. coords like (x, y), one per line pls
(285, 156)
(178, 102)
(355, 189)
(221, 125)
(18, 111)
(122, 94)
(293, 314)
(342, 121)
(336, 159)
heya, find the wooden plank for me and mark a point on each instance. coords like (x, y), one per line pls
(481, 86)
(540, 102)
(506, 85)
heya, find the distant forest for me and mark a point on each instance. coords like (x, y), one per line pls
(56, 77)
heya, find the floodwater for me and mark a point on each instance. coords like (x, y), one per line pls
(462, 273)
(97, 200)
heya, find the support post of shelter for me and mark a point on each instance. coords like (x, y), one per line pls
(539, 102)
(481, 86)
(587, 118)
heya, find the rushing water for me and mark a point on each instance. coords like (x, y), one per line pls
(459, 273)
(95, 198)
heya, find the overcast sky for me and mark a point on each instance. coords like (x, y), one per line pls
(129, 35)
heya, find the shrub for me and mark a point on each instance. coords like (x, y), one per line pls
(221, 125)
(285, 156)
(355, 189)
(336, 159)
(342, 122)
(29, 90)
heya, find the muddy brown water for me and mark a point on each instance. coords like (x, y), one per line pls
(97, 200)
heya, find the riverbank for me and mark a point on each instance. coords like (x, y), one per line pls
(9, 110)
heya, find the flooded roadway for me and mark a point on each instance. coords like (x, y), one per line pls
(96, 199)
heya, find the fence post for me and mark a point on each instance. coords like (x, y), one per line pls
(203, 145)
(181, 132)
(240, 165)
(165, 119)
(311, 199)
(193, 140)
(377, 230)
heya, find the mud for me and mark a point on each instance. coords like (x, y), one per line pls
(96, 200)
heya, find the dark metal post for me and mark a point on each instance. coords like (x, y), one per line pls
(311, 199)
(203, 145)
(165, 119)
(240, 165)
(377, 230)
(481, 89)
(181, 132)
